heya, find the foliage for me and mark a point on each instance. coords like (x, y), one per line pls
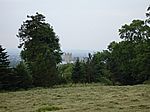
(4, 62)
(89, 71)
(24, 79)
(41, 50)
(148, 15)
(11, 79)
(129, 59)
(124, 63)
(77, 73)
(120, 63)
(6, 76)
(92, 70)
(65, 72)
(136, 32)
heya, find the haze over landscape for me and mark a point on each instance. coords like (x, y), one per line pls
(75, 56)
(80, 24)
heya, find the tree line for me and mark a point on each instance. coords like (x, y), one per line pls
(123, 63)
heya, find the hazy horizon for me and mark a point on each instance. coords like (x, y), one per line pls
(80, 24)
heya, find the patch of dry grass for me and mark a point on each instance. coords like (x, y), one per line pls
(78, 98)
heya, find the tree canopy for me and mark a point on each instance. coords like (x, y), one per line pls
(41, 49)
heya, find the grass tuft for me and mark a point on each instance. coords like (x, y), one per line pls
(48, 108)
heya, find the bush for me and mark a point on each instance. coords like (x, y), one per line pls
(146, 82)
(105, 81)
(24, 79)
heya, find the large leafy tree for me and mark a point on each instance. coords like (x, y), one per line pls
(136, 32)
(148, 15)
(120, 62)
(129, 61)
(41, 49)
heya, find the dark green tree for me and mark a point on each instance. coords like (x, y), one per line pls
(4, 61)
(129, 59)
(120, 62)
(94, 69)
(4, 68)
(41, 50)
(89, 69)
(7, 77)
(99, 66)
(23, 77)
(65, 72)
(77, 73)
(136, 32)
(148, 15)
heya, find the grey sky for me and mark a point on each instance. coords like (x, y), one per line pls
(80, 24)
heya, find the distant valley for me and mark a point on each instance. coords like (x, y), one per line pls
(14, 55)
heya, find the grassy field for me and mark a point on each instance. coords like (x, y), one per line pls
(78, 98)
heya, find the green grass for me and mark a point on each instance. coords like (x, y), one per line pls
(78, 98)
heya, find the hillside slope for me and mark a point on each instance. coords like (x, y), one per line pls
(78, 98)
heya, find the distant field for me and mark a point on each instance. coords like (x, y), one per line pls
(78, 98)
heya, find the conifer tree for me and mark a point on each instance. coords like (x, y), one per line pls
(76, 73)
(41, 50)
(4, 69)
(4, 62)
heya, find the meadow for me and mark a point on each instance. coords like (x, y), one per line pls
(78, 98)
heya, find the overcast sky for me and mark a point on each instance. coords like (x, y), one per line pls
(80, 24)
